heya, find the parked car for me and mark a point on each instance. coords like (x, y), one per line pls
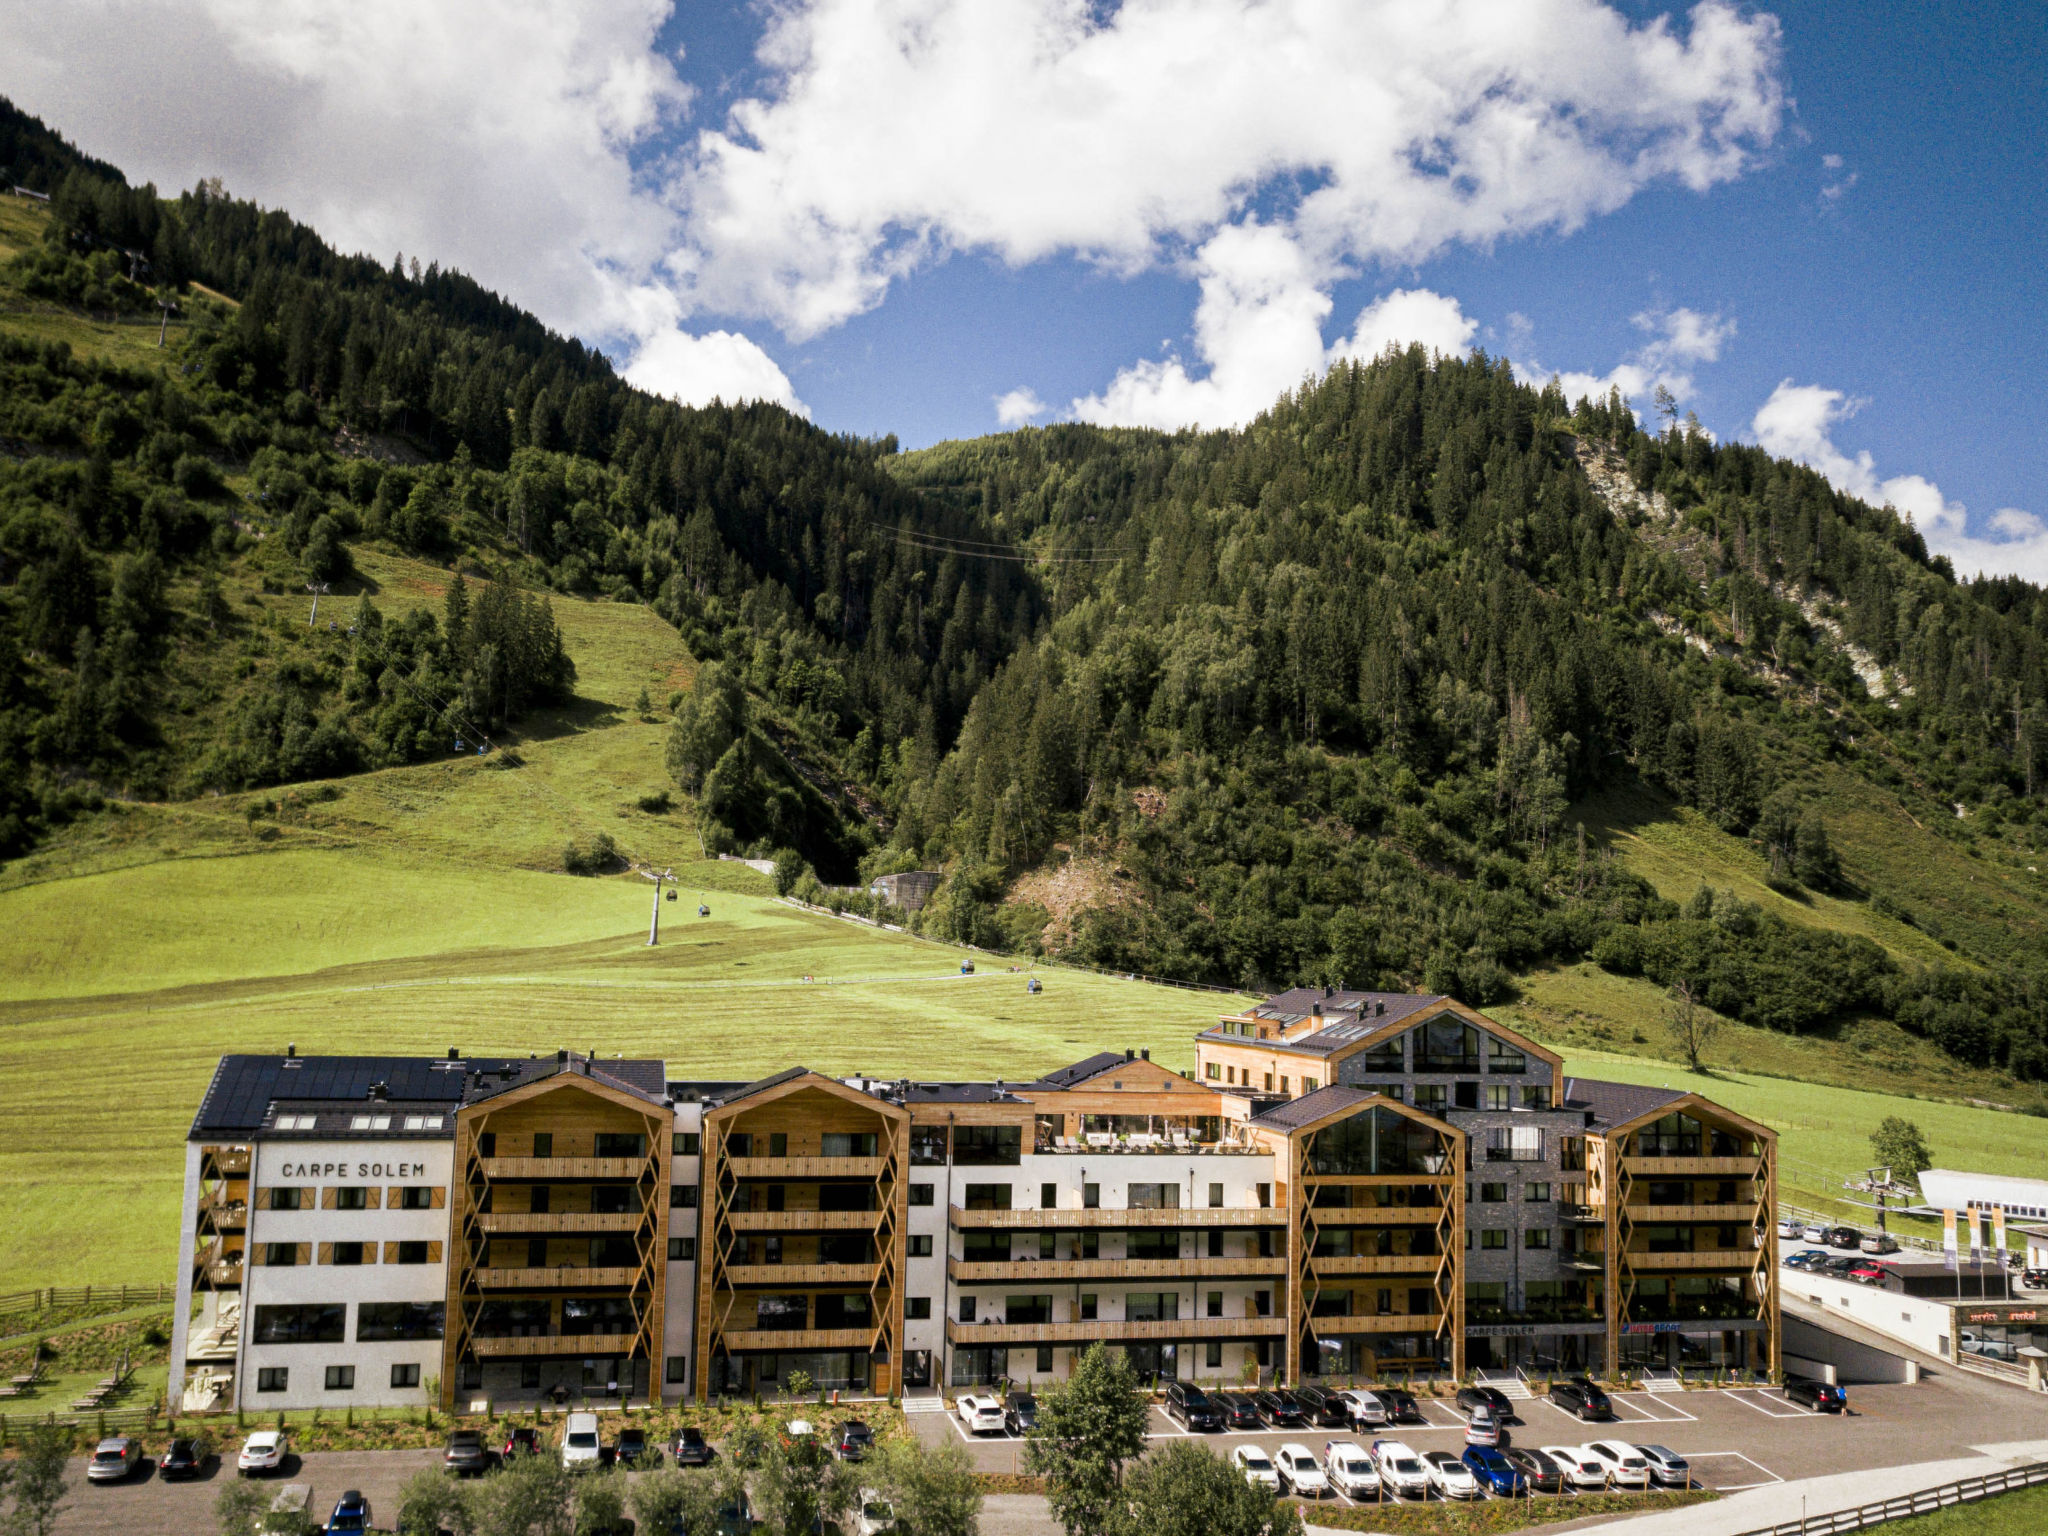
(1791, 1227)
(351, 1513)
(1814, 1232)
(1880, 1242)
(1844, 1237)
(1020, 1413)
(1401, 1471)
(1368, 1411)
(1625, 1465)
(1240, 1411)
(687, 1447)
(264, 1451)
(1494, 1473)
(1281, 1408)
(852, 1440)
(1300, 1471)
(1969, 1342)
(1579, 1469)
(1492, 1399)
(1806, 1258)
(1869, 1272)
(1482, 1428)
(1348, 1465)
(1324, 1405)
(1400, 1405)
(1819, 1396)
(1838, 1267)
(1194, 1408)
(466, 1455)
(580, 1445)
(115, 1460)
(735, 1516)
(1667, 1466)
(631, 1450)
(521, 1442)
(1255, 1467)
(1580, 1398)
(1449, 1476)
(875, 1514)
(183, 1459)
(1539, 1471)
(2034, 1279)
(981, 1414)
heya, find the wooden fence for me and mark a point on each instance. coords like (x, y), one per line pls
(1968, 1491)
(51, 1297)
(102, 1421)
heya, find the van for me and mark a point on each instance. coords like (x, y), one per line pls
(580, 1446)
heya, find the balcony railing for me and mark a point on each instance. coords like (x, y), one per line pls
(589, 1344)
(572, 1168)
(231, 1162)
(1039, 1217)
(1378, 1215)
(801, 1274)
(1642, 1259)
(1116, 1329)
(225, 1215)
(1376, 1264)
(800, 1168)
(792, 1338)
(1392, 1322)
(1651, 1167)
(1719, 1215)
(1593, 1215)
(992, 1271)
(556, 1277)
(559, 1221)
(803, 1221)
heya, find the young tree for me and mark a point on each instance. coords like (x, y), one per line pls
(600, 1503)
(241, 1505)
(1898, 1144)
(671, 1499)
(1088, 1427)
(800, 1484)
(431, 1502)
(39, 1480)
(529, 1496)
(931, 1489)
(1188, 1490)
(1813, 856)
(1692, 1025)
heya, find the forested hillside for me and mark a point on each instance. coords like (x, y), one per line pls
(1323, 699)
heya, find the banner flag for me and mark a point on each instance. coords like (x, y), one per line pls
(1948, 1239)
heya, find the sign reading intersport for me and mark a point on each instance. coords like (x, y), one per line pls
(363, 1171)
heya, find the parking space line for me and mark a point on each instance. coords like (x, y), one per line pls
(1768, 1478)
(1751, 1398)
(1456, 1423)
(1639, 1404)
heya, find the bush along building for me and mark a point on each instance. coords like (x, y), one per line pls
(1347, 1184)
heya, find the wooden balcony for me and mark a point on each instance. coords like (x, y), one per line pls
(1642, 1261)
(585, 1344)
(799, 1338)
(559, 1221)
(225, 1215)
(1376, 1264)
(801, 1274)
(568, 1168)
(1115, 1330)
(217, 1276)
(230, 1161)
(1038, 1218)
(1675, 1167)
(1377, 1215)
(989, 1272)
(799, 1169)
(1721, 1215)
(556, 1277)
(1392, 1322)
(803, 1221)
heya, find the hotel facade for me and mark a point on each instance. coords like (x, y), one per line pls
(1346, 1184)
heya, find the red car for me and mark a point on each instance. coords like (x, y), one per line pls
(1868, 1273)
(521, 1442)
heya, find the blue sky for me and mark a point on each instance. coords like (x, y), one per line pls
(1821, 227)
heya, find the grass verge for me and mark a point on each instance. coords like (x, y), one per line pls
(1491, 1515)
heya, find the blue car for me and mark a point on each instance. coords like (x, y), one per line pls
(352, 1513)
(1807, 1256)
(1494, 1472)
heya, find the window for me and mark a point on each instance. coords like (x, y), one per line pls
(1432, 1098)
(1153, 1197)
(281, 1255)
(1536, 1192)
(413, 1253)
(1536, 1097)
(919, 1245)
(844, 1311)
(317, 1323)
(1213, 1354)
(347, 1253)
(987, 1197)
(920, 1194)
(676, 1373)
(613, 1199)
(782, 1314)
(1091, 1245)
(1514, 1144)
(1048, 1196)
(1212, 1071)
(686, 1143)
(370, 1123)
(1492, 1194)
(1496, 1095)
(1448, 1045)
(487, 1144)
(1493, 1237)
(988, 1146)
(917, 1308)
(1027, 1309)
(416, 1197)
(967, 1304)
(543, 1143)
(1388, 1056)
(385, 1321)
(682, 1197)
(848, 1144)
(927, 1144)
(1087, 1305)
(778, 1143)
(1215, 1304)
(1269, 1082)
(1283, 1082)
(621, 1144)
(296, 1122)
(539, 1198)
(405, 1375)
(1215, 1242)
(1091, 1197)
(272, 1378)
(423, 1122)
(1215, 1196)
(1044, 1363)
(682, 1250)
(1262, 1303)
(287, 1199)
(1536, 1237)
(1265, 1197)
(1502, 1057)
(739, 1144)
(1465, 1095)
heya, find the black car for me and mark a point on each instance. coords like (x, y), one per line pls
(1537, 1469)
(1817, 1395)
(1323, 1406)
(521, 1442)
(853, 1440)
(1838, 1267)
(2034, 1279)
(630, 1449)
(1581, 1398)
(689, 1448)
(183, 1459)
(1492, 1399)
(1281, 1409)
(1195, 1409)
(1401, 1405)
(467, 1455)
(1239, 1410)
(1845, 1237)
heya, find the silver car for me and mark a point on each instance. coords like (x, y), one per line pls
(1667, 1466)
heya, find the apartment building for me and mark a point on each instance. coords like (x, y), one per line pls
(1345, 1184)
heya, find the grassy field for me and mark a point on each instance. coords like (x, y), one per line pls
(2024, 1513)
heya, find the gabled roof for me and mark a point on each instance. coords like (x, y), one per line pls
(1293, 1114)
(642, 1079)
(1081, 1071)
(1612, 1104)
(1375, 1008)
(239, 1097)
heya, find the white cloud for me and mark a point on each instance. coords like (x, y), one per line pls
(1019, 407)
(1677, 338)
(1683, 336)
(1798, 422)
(1408, 315)
(719, 366)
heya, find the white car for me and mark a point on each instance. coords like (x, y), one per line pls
(1667, 1466)
(982, 1415)
(1625, 1465)
(1300, 1471)
(1366, 1409)
(264, 1451)
(1349, 1468)
(1580, 1470)
(1401, 1471)
(579, 1442)
(1792, 1227)
(1255, 1467)
(1450, 1476)
(876, 1515)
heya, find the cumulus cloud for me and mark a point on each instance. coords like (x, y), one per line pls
(1677, 338)
(1019, 407)
(488, 137)
(1798, 422)
(720, 365)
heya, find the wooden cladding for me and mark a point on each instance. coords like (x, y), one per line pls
(274, 1253)
(412, 1253)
